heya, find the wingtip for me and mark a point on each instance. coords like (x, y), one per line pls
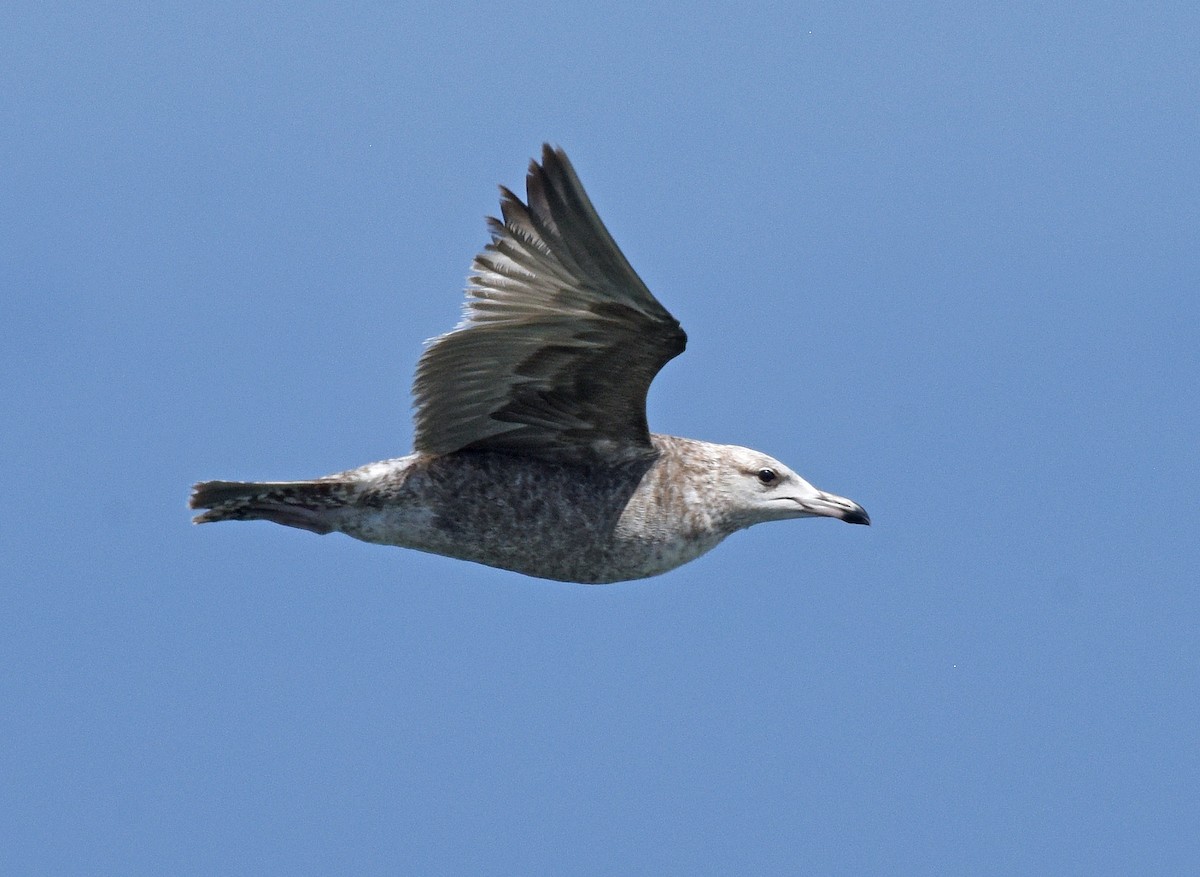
(554, 162)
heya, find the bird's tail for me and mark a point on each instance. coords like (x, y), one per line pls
(304, 504)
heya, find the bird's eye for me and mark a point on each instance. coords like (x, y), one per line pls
(768, 476)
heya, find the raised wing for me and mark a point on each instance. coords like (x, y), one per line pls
(559, 341)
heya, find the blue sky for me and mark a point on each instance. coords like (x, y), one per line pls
(937, 257)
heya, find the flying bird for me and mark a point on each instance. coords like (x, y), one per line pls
(532, 452)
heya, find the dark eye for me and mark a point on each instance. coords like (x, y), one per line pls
(768, 476)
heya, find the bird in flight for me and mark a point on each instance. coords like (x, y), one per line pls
(532, 452)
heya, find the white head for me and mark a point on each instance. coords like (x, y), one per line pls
(760, 488)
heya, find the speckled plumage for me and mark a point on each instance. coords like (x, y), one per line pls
(532, 449)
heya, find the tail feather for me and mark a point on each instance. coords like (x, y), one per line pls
(303, 504)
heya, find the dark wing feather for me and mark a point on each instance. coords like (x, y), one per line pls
(559, 341)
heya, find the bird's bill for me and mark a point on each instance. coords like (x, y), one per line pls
(830, 505)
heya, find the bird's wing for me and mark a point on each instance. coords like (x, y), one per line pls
(559, 341)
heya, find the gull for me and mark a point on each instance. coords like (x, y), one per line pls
(532, 452)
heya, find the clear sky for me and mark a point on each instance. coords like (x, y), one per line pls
(942, 258)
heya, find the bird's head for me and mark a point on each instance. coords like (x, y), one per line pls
(763, 489)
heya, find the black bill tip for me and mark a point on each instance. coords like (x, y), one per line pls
(857, 515)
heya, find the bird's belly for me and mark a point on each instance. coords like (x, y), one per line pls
(555, 521)
(552, 544)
